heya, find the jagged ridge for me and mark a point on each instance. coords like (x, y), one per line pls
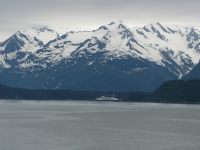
(114, 57)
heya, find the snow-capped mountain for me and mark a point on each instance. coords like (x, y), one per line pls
(18, 47)
(113, 57)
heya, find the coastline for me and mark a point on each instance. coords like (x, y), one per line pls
(103, 101)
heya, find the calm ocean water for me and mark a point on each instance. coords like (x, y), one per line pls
(34, 125)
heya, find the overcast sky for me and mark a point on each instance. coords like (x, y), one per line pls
(89, 14)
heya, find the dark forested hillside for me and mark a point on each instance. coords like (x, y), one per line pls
(178, 91)
(26, 94)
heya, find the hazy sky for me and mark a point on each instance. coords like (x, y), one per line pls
(89, 14)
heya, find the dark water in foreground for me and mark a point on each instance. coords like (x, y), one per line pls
(30, 125)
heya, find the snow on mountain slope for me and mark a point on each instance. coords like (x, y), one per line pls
(25, 42)
(62, 47)
(148, 42)
(59, 29)
(113, 57)
(168, 46)
(43, 34)
(31, 39)
(159, 42)
(21, 41)
(164, 38)
(3, 64)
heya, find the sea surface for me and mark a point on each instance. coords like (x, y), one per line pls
(79, 125)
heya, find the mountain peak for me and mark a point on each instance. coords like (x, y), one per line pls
(116, 22)
(119, 21)
(111, 23)
(136, 58)
(121, 26)
(102, 28)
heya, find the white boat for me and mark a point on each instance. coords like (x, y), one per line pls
(103, 98)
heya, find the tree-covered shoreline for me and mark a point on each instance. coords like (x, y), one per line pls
(176, 91)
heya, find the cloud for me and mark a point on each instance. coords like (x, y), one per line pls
(22, 14)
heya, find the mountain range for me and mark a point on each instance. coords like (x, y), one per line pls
(114, 57)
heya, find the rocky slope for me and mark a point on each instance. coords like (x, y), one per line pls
(194, 73)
